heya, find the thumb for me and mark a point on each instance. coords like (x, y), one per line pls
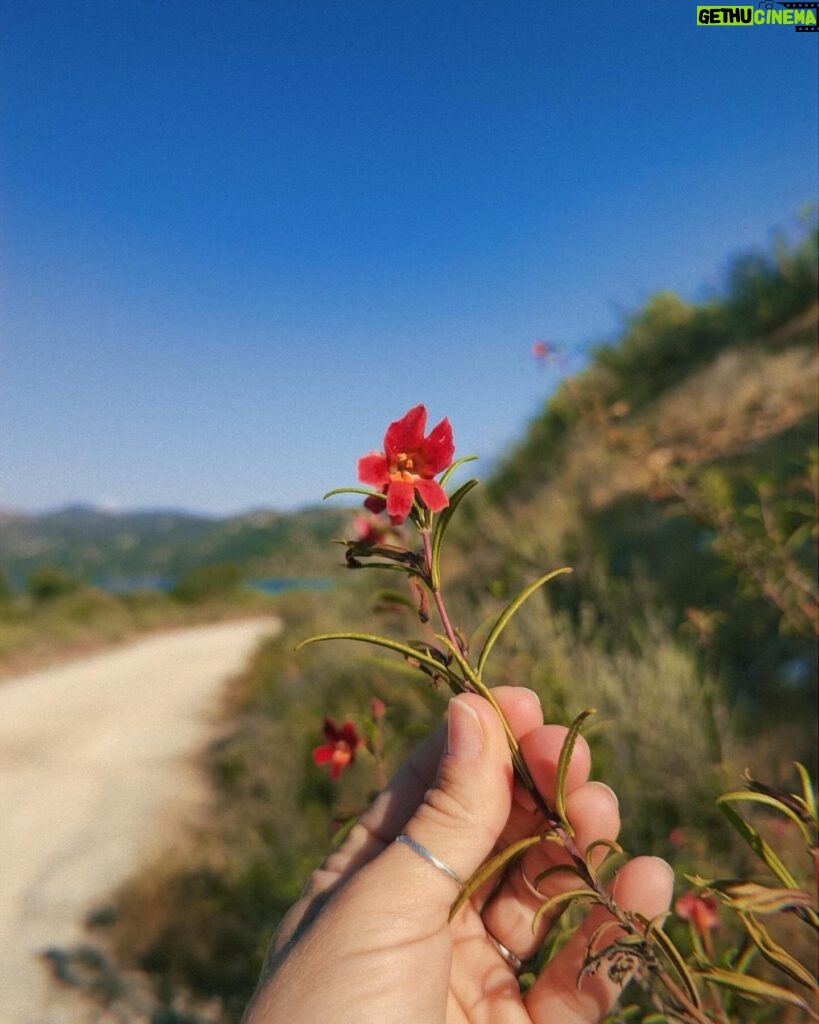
(461, 815)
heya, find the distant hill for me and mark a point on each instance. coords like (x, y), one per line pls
(677, 475)
(101, 547)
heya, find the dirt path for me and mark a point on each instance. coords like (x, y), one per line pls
(95, 769)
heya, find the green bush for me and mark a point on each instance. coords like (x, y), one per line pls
(207, 583)
(50, 582)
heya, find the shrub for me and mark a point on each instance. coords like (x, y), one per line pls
(50, 582)
(207, 582)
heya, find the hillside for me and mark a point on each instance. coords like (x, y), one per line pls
(106, 547)
(677, 475)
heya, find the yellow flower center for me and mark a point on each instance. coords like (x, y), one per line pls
(403, 467)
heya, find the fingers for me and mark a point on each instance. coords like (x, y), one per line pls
(541, 749)
(392, 809)
(464, 811)
(593, 811)
(395, 805)
(644, 885)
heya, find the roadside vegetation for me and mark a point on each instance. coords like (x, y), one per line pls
(677, 475)
(57, 616)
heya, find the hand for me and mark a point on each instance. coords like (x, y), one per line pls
(370, 943)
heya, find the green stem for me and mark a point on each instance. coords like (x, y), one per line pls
(476, 683)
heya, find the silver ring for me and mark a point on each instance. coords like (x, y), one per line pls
(436, 862)
(511, 958)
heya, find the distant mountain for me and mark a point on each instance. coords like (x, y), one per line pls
(103, 546)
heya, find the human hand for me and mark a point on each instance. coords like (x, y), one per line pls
(370, 941)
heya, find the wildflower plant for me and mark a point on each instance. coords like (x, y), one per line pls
(410, 506)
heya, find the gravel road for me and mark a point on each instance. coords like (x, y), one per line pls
(96, 770)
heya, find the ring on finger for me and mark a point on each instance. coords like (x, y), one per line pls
(511, 958)
(429, 856)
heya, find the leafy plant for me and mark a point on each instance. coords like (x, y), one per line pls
(699, 988)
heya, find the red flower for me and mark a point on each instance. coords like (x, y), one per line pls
(369, 531)
(677, 837)
(339, 750)
(701, 911)
(408, 464)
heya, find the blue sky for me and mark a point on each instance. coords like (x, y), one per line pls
(237, 238)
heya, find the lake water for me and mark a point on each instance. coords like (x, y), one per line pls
(273, 585)
(278, 586)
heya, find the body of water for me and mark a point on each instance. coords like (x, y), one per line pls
(271, 585)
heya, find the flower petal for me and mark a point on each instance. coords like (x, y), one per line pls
(400, 496)
(348, 734)
(435, 497)
(439, 448)
(373, 469)
(321, 755)
(375, 505)
(406, 433)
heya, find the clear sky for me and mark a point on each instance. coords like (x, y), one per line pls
(237, 237)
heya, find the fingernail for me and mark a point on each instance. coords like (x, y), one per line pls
(608, 789)
(464, 738)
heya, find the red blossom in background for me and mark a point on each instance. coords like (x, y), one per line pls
(339, 750)
(677, 837)
(408, 464)
(369, 531)
(377, 708)
(701, 911)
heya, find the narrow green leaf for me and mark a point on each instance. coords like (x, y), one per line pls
(775, 954)
(753, 988)
(563, 766)
(613, 848)
(762, 849)
(451, 469)
(752, 898)
(654, 933)
(442, 522)
(387, 566)
(380, 641)
(747, 796)
(511, 608)
(598, 932)
(489, 868)
(352, 490)
(568, 896)
(808, 792)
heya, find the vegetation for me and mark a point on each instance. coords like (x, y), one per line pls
(78, 579)
(207, 582)
(677, 474)
(37, 630)
(128, 548)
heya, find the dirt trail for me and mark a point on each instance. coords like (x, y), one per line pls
(95, 770)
